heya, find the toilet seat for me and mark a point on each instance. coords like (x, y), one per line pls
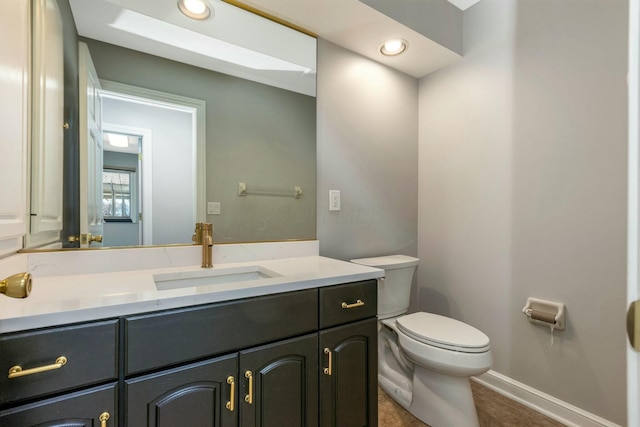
(443, 332)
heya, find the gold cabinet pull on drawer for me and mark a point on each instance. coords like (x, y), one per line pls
(16, 371)
(358, 303)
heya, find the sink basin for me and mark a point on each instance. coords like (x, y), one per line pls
(207, 277)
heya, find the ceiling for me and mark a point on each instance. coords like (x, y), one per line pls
(362, 29)
(234, 41)
(351, 24)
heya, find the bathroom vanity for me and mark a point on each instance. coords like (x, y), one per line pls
(298, 348)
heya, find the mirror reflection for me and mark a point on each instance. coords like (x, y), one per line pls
(255, 128)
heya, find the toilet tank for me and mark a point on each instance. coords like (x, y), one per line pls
(395, 289)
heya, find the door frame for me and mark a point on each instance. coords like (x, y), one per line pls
(197, 109)
(633, 206)
(145, 173)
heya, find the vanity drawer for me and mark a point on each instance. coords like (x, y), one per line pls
(348, 303)
(168, 338)
(90, 351)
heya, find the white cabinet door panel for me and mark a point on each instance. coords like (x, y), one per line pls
(47, 138)
(14, 81)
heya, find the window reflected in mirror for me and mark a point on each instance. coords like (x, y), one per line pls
(117, 197)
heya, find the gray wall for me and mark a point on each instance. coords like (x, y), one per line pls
(523, 191)
(256, 134)
(367, 149)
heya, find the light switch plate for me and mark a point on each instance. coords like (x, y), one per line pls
(213, 208)
(334, 200)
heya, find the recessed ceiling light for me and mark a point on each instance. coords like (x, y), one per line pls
(117, 140)
(195, 9)
(393, 47)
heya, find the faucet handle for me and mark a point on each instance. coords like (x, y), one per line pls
(197, 235)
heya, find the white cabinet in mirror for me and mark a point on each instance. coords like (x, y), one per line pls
(14, 81)
(47, 125)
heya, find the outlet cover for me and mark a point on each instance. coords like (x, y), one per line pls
(334, 200)
(213, 208)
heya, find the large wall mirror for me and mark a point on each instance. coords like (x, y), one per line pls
(210, 120)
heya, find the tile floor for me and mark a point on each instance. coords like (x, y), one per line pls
(494, 410)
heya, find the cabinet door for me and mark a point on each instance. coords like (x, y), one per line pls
(14, 87)
(280, 384)
(348, 375)
(200, 394)
(86, 408)
(47, 137)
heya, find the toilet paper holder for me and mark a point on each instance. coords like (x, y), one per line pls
(547, 313)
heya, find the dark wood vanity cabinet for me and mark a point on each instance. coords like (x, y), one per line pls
(283, 386)
(349, 382)
(80, 360)
(272, 385)
(198, 394)
(252, 362)
(84, 408)
(349, 355)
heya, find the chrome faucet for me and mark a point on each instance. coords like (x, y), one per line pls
(204, 236)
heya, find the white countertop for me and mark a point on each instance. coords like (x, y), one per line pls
(61, 299)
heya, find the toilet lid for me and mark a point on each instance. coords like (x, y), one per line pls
(443, 332)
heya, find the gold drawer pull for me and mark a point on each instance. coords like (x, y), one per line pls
(249, 397)
(358, 303)
(104, 417)
(16, 371)
(327, 370)
(232, 393)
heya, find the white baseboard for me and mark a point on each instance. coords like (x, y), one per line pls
(556, 409)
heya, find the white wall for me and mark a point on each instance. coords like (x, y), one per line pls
(367, 148)
(523, 191)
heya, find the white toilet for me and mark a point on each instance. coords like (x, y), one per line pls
(425, 360)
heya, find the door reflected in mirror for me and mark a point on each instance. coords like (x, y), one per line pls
(152, 145)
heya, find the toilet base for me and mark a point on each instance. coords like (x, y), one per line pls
(442, 400)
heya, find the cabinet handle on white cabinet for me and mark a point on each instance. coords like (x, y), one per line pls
(232, 393)
(104, 417)
(327, 370)
(249, 397)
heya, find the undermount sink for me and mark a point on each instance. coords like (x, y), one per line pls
(206, 277)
